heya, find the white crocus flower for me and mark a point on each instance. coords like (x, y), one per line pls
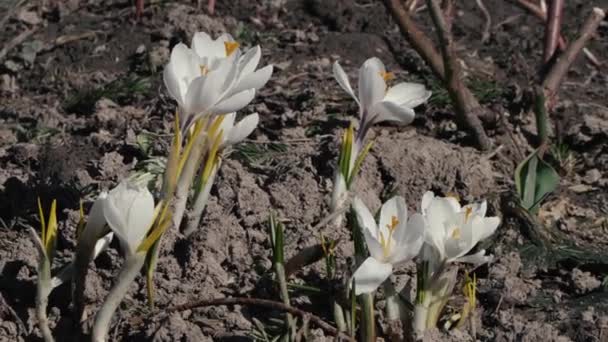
(129, 211)
(452, 231)
(235, 133)
(392, 241)
(213, 77)
(376, 102)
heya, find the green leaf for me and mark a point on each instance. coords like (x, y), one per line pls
(534, 180)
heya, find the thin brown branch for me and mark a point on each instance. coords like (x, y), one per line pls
(16, 42)
(466, 105)
(553, 27)
(270, 304)
(485, 35)
(556, 74)
(11, 12)
(538, 12)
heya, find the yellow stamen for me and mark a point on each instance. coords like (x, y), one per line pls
(387, 76)
(467, 213)
(456, 233)
(230, 47)
(393, 225)
(453, 195)
(204, 70)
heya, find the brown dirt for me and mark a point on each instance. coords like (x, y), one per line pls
(59, 138)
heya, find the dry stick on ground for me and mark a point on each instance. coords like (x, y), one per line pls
(485, 35)
(538, 12)
(263, 303)
(466, 105)
(16, 42)
(556, 74)
(552, 32)
(10, 13)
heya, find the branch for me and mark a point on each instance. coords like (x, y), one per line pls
(553, 26)
(16, 41)
(464, 101)
(263, 303)
(556, 74)
(561, 43)
(467, 106)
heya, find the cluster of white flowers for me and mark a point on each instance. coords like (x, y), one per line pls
(445, 230)
(441, 233)
(210, 81)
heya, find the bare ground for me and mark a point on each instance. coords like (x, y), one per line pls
(77, 116)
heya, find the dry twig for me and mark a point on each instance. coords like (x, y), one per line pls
(541, 14)
(263, 303)
(552, 31)
(485, 35)
(11, 11)
(559, 70)
(16, 42)
(466, 105)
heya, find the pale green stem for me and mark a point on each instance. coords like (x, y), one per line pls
(129, 272)
(395, 309)
(368, 323)
(186, 179)
(42, 297)
(200, 202)
(339, 197)
(85, 251)
(421, 311)
(339, 316)
(280, 270)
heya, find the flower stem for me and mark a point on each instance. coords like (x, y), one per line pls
(339, 316)
(42, 295)
(186, 178)
(280, 270)
(129, 272)
(368, 332)
(200, 202)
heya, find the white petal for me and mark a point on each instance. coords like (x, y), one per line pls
(255, 80)
(409, 241)
(368, 228)
(342, 79)
(371, 88)
(482, 208)
(376, 63)
(129, 210)
(102, 244)
(427, 198)
(201, 44)
(370, 275)
(202, 94)
(96, 220)
(485, 227)
(226, 126)
(394, 207)
(234, 103)
(476, 259)
(407, 94)
(391, 111)
(250, 60)
(180, 71)
(438, 213)
(243, 129)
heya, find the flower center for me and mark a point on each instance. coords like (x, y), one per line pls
(456, 233)
(467, 214)
(387, 76)
(230, 47)
(386, 243)
(204, 69)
